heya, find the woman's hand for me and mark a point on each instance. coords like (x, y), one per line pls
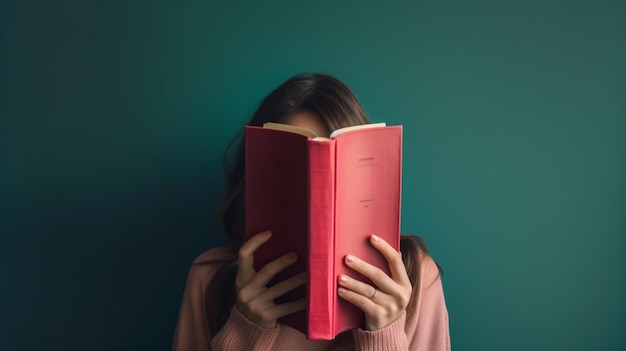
(386, 301)
(254, 300)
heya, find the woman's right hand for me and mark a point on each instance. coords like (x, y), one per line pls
(254, 299)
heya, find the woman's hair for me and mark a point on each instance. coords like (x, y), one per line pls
(337, 107)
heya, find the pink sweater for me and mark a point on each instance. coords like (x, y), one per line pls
(427, 329)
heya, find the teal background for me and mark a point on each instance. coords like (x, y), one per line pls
(115, 115)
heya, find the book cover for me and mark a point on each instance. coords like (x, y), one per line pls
(323, 198)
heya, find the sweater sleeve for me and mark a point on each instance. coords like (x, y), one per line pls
(192, 331)
(389, 338)
(425, 329)
(241, 334)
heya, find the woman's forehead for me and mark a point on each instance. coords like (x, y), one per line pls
(310, 121)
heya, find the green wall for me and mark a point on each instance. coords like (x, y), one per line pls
(115, 114)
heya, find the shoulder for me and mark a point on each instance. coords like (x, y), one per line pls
(421, 268)
(428, 270)
(192, 328)
(214, 255)
(206, 265)
(427, 315)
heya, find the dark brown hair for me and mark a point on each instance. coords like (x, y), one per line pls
(337, 107)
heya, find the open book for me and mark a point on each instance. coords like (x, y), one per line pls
(323, 198)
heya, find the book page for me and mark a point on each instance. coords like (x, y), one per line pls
(312, 135)
(340, 131)
(290, 128)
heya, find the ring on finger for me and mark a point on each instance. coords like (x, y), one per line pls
(374, 294)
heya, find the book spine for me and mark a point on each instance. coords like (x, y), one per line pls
(321, 278)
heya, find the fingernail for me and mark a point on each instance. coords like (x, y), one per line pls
(343, 278)
(350, 259)
(267, 233)
(292, 256)
(302, 277)
(341, 290)
(375, 237)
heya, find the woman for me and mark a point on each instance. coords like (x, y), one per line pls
(227, 305)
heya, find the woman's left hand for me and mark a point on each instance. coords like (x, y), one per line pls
(386, 301)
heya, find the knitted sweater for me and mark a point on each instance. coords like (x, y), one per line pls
(426, 329)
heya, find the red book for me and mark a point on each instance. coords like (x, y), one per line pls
(323, 198)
